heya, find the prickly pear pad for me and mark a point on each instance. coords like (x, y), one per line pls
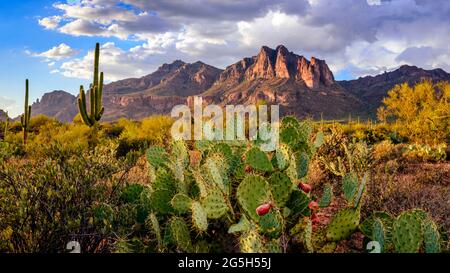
(252, 192)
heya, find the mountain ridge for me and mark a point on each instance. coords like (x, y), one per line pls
(305, 88)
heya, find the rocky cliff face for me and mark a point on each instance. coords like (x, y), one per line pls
(279, 63)
(277, 76)
(58, 104)
(175, 79)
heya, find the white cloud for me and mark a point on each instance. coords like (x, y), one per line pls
(360, 37)
(51, 22)
(10, 106)
(59, 52)
(116, 63)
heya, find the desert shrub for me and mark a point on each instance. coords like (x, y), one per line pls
(424, 152)
(386, 150)
(137, 136)
(154, 129)
(420, 113)
(111, 130)
(41, 122)
(70, 137)
(46, 203)
(129, 145)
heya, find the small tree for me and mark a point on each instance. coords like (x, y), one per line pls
(421, 112)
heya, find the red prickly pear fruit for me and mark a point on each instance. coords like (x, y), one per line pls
(305, 187)
(263, 209)
(314, 218)
(313, 205)
(314, 227)
(248, 169)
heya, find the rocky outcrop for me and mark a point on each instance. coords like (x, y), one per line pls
(279, 63)
(175, 79)
(58, 104)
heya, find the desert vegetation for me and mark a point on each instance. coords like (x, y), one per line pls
(126, 186)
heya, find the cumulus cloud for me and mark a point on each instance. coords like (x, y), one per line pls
(359, 37)
(59, 52)
(10, 106)
(115, 62)
(51, 22)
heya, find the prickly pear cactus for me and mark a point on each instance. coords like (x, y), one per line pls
(251, 193)
(350, 186)
(179, 232)
(243, 225)
(379, 233)
(302, 164)
(258, 160)
(251, 242)
(407, 232)
(153, 225)
(214, 204)
(343, 224)
(215, 167)
(271, 224)
(282, 157)
(157, 156)
(281, 188)
(298, 204)
(366, 227)
(326, 196)
(181, 202)
(273, 246)
(431, 236)
(199, 217)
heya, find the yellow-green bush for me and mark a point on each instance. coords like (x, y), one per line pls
(421, 113)
(424, 152)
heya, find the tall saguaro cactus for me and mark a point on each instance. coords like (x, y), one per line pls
(6, 124)
(95, 92)
(25, 118)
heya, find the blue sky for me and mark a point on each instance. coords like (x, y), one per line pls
(50, 42)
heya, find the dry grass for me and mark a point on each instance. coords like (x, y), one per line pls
(396, 187)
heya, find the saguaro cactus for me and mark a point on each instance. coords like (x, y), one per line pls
(6, 124)
(25, 118)
(95, 92)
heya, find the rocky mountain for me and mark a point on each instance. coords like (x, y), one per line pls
(372, 89)
(158, 92)
(2, 115)
(175, 79)
(58, 104)
(277, 76)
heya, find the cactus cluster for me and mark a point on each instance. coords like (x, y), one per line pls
(410, 232)
(95, 94)
(261, 200)
(254, 194)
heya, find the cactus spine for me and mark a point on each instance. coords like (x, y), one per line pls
(25, 118)
(95, 92)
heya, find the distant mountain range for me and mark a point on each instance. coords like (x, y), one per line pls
(305, 88)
